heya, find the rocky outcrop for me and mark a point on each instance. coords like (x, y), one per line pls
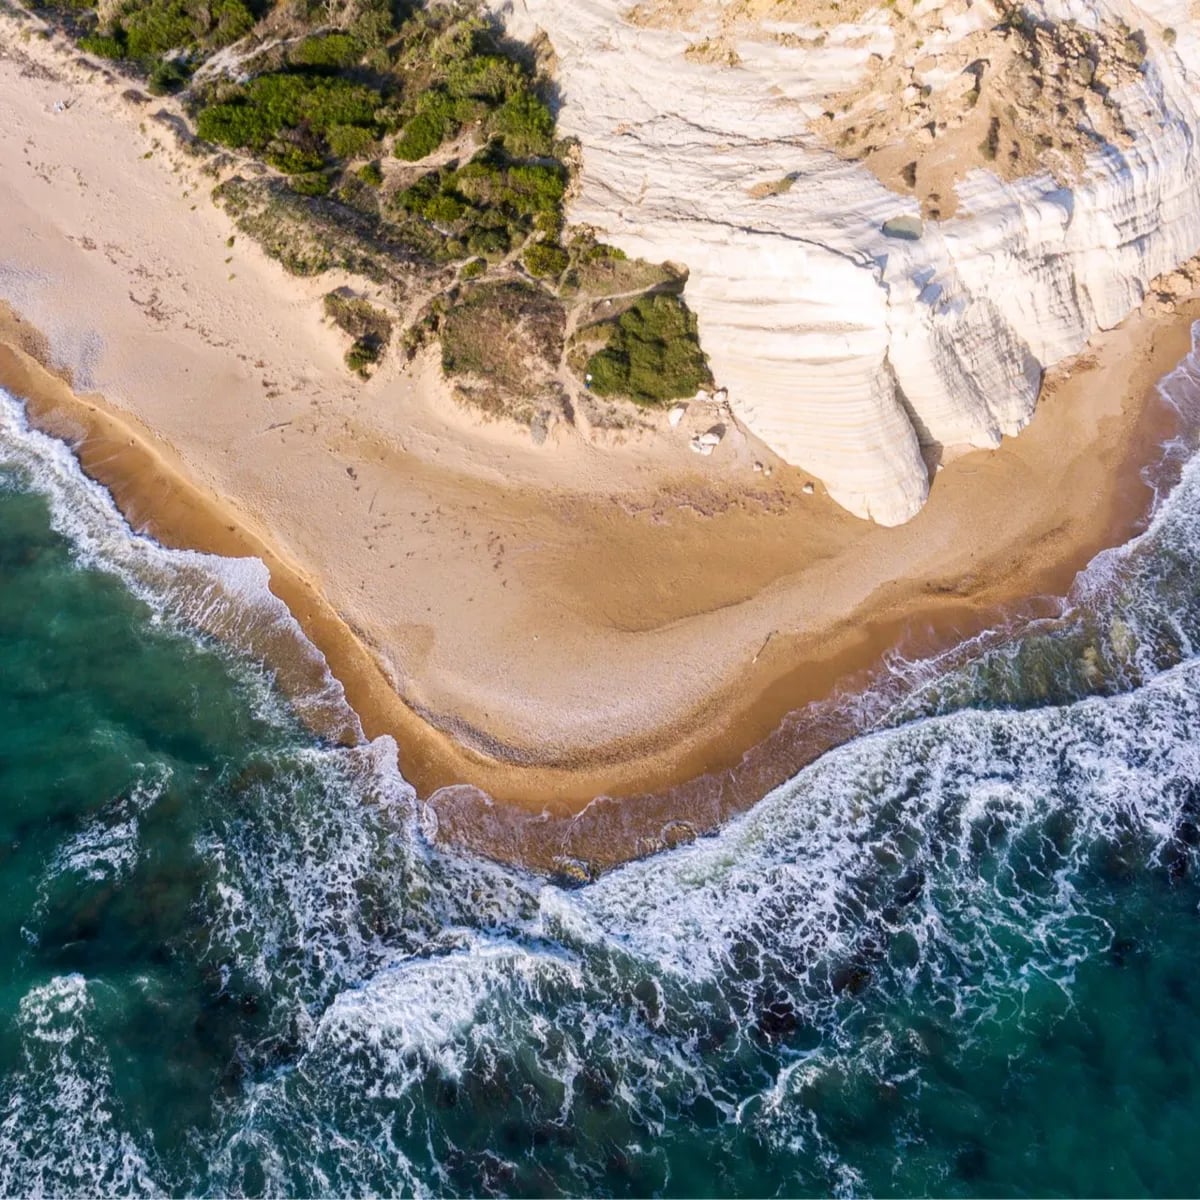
(710, 136)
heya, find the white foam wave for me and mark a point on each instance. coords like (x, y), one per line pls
(61, 1132)
(106, 848)
(914, 799)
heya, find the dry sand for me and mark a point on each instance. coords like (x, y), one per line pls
(593, 617)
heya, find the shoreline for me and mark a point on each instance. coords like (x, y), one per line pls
(585, 650)
(528, 814)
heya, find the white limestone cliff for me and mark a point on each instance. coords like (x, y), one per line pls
(843, 348)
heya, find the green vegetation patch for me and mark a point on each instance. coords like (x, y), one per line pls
(328, 51)
(464, 80)
(252, 115)
(546, 260)
(145, 30)
(362, 356)
(370, 327)
(653, 354)
(487, 207)
(371, 174)
(471, 237)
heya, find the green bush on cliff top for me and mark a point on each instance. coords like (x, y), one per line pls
(653, 354)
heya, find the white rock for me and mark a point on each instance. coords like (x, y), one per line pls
(808, 489)
(711, 438)
(758, 468)
(837, 343)
(676, 415)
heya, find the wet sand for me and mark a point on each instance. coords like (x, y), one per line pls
(586, 649)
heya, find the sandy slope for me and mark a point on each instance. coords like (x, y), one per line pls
(581, 617)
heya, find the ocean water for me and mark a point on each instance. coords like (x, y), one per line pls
(960, 955)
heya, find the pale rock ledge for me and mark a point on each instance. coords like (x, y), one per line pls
(843, 348)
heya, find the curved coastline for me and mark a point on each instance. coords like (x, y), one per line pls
(622, 801)
(587, 649)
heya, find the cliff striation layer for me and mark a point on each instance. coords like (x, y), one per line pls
(896, 216)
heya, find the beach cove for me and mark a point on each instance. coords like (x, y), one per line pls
(537, 626)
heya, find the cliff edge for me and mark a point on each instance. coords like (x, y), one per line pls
(896, 216)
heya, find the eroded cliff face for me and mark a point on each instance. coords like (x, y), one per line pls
(874, 268)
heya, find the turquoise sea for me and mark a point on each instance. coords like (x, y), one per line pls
(960, 955)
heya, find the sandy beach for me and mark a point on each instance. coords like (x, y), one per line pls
(603, 615)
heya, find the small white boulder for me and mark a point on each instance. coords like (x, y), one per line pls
(676, 415)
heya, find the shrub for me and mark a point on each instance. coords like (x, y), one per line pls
(489, 77)
(104, 45)
(329, 51)
(653, 354)
(545, 259)
(525, 124)
(363, 354)
(359, 318)
(990, 145)
(519, 190)
(473, 268)
(536, 188)
(292, 158)
(371, 174)
(313, 183)
(490, 242)
(271, 103)
(374, 23)
(438, 116)
(233, 20)
(349, 141)
(422, 135)
(444, 209)
(166, 77)
(155, 28)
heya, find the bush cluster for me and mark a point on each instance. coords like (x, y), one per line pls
(359, 318)
(545, 259)
(146, 30)
(327, 51)
(295, 121)
(487, 206)
(323, 104)
(653, 354)
(470, 81)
